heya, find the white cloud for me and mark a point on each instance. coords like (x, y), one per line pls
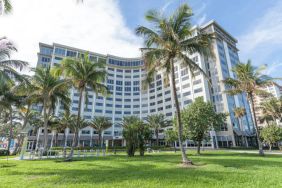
(263, 37)
(95, 25)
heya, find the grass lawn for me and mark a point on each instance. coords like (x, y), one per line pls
(213, 169)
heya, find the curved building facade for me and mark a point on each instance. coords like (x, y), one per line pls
(124, 80)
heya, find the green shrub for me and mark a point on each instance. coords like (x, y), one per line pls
(4, 152)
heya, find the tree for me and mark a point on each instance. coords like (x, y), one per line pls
(199, 118)
(272, 108)
(75, 127)
(271, 134)
(171, 137)
(168, 42)
(157, 122)
(100, 124)
(8, 67)
(83, 73)
(8, 103)
(49, 90)
(135, 132)
(249, 80)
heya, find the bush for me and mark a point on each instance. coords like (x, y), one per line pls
(4, 152)
(50, 153)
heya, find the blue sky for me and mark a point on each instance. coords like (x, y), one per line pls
(250, 21)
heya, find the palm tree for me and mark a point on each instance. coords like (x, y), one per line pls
(169, 42)
(249, 80)
(100, 124)
(75, 127)
(239, 113)
(83, 74)
(8, 102)
(49, 90)
(8, 67)
(157, 122)
(272, 108)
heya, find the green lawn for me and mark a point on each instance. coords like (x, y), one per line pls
(213, 169)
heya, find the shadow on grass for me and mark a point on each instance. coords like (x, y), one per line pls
(7, 165)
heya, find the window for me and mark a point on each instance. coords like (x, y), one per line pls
(109, 81)
(45, 59)
(167, 99)
(167, 92)
(74, 108)
(136, 70)
(127, 100)
(109, 105)
(118, 93)
(136, 76)
(119, 76)
(187, 102)
(118, 82)
(152, 97)
(153, 110)
(119, 70)
(109, 98)
(127, 83)
(109, 112)
(46, 51)
(136, 112)
(100, 98)
(160, 102)
(127, 71)
(158, 77)
(136, 106)
(198, 90)
(118, 99)
(152, 91)
(186, 94)
(184, 72)
(127, 94)
(127, 112)
(159, 83)
(144, 105)
(159, 95)
(71, 53)
(75, 101)
(136, 100)
(118, 106)
(185, 78)
(168, 107)
(117, 112)
(85, 132)
(136, 83)
(111, 69)
(127, 89)
(99, 104)
(160, 108)
(60, 51)
(136, 89)
(118, 88)
(169, 114)
(152, 103)
(197, 82)
(98, 111)
(127, 106)
(185, 86)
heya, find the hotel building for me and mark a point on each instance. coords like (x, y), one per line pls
(124, 78)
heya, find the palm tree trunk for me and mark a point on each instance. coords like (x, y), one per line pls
(99, 140)
(11, 130)
(256, 125)
(178, 116)
(79, 107)
(74, 143)
(45, 124)
(157, 137)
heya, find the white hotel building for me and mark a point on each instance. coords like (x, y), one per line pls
(124, 77)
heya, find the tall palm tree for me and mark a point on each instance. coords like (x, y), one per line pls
(8, 67)
(83, 74)
(49, 90)
(157, 122)
(168, 42)
(249, 80)
(100, 124)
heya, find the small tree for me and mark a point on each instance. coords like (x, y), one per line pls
(271, 134)
(171, 137)
(199, 118)
(100, 124)
(157, 122)
(135, 132)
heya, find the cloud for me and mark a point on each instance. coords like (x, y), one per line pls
(263, 39)
(95, 25)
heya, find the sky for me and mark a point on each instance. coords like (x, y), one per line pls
(107, 26)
